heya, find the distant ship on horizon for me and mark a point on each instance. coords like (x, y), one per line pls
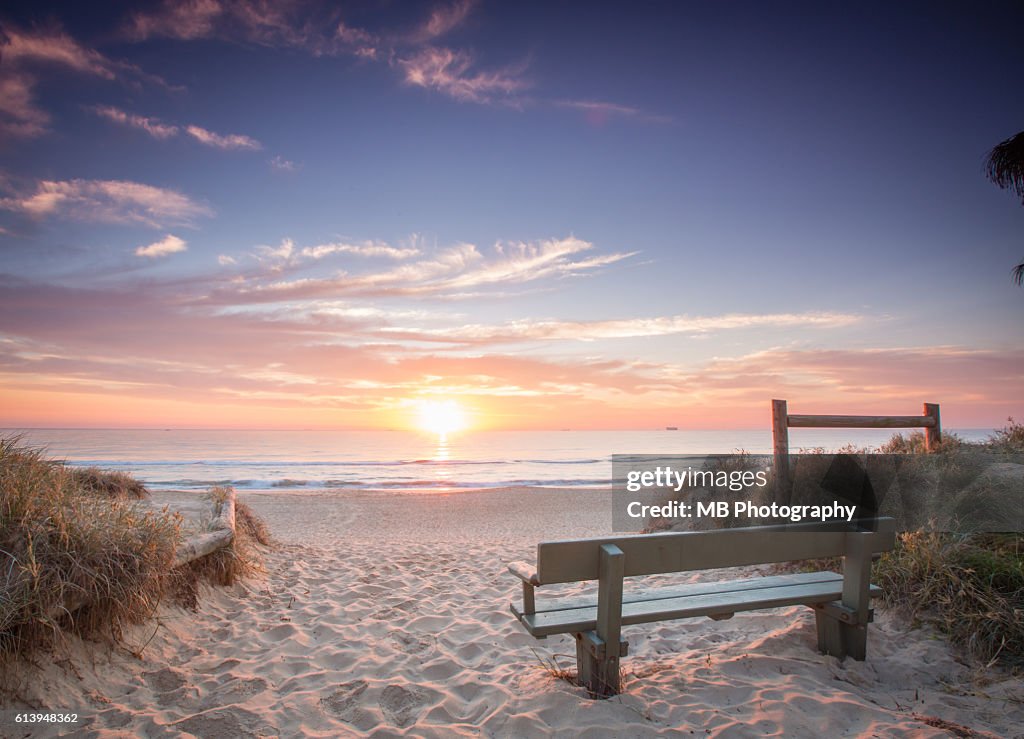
(671, 428)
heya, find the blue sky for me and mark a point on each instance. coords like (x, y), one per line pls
(598, 215)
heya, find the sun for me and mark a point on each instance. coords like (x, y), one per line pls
(441, 417)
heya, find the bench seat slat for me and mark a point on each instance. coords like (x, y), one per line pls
(699, 588)
(774, 592)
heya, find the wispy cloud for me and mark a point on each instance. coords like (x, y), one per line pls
(110, 201)
(191, 19)
(451, 73)
(553, 330)
(451, 272)
(153, 126)
(280, 164)
(293, 24)
(161, 130)
(56, 48)
(19, 115)
(220, 141)
(365, 249)
(444, 19)
(598, 113)
(169, 244)
(25, 54)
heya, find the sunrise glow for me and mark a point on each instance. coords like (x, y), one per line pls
(440, 417)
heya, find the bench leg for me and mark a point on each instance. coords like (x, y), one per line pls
(598, 671)
(840, 639)
(586, 662)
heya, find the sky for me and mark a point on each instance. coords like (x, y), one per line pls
(252, 214)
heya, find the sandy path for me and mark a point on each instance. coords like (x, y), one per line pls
(387, 616)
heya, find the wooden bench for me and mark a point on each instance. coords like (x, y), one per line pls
(840, 602)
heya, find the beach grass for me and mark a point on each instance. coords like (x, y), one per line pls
(954, 565)
(80, 554)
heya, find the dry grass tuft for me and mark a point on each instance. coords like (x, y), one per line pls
(63, 545)
(80, 554)
(1010, 438)
(116, 485)
(972, 588)
(914, 443)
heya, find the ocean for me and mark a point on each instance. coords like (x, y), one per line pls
(378, 461)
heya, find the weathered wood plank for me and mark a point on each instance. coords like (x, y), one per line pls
(200, 546)
(706, 604)
(862, 422)
(524, 572)
(649, 554)
(695, 588)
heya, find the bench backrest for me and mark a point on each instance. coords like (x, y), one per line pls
(651, 554)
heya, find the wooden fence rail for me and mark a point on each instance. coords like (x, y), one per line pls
(782, 421)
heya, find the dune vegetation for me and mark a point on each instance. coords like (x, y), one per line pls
(80, 552)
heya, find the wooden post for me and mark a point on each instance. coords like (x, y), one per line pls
(843, 625)
(780, 451)
(933, 432)
(598, 652)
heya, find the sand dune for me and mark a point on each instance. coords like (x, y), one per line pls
(387, 616)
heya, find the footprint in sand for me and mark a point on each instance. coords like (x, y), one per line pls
(410, 643)
(164, 681)
(401, 706)
(344, 703)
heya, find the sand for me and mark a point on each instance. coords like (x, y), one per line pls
(388, 616)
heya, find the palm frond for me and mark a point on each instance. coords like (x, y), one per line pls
(1004, 165)
(1018, 274)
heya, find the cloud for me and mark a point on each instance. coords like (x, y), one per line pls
(24, 51)
(229, 141)
(599, 113)
(450, 272)
(109, 201)
(276, 253)
(160, 130)
(450, 72)
(280, 164)
(443, 19)
(169, 244)
(19, 115)
(294, 24)
(224, 260)
(365, 249)
(553, 330)
(187, 20)
(152, 126)
(155, 354)
(56, 48)
(301, 25)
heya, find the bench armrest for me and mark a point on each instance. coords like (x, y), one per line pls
(524, 572)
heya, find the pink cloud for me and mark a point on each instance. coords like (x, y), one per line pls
(450, 72)
(443, 19)
(169, 244)
(219, 141)
(551, 330)
(447, 273)
(110, 201)
(140, 346)
(152, 126)
(19, 115)
(56, 48)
